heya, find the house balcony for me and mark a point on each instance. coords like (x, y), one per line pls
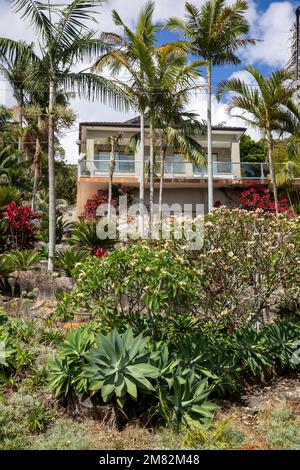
(128, 169)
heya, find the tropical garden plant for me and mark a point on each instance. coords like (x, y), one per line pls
(214, 33)
(268, 107)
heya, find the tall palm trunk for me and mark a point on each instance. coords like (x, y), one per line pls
(142, 175)
(272, 171)
(52, 205)
(111, 175)
(151, 182)
(209, 142)
(36, 165)
(20, 140)
(36, 171)
(162, 155)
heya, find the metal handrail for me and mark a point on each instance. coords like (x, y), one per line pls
(175, 169)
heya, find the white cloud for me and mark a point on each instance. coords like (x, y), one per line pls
(273, 29)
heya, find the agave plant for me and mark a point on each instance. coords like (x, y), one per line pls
(66, 260)
(22, 260)
(282, 337)
(186, 402)
(120, 365)
(65, 370)
(251, 352)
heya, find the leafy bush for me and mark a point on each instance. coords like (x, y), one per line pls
(282, 339)
(143, 285)
(84, 235)
(63, 227)
(7, 195)
(4, 236)
(246, 261)
(22, 260)
(66, 260)
(23, 229)
(257, 196)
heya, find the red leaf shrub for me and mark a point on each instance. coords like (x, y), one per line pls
(22, 225)
(258, 196)
(95, 201)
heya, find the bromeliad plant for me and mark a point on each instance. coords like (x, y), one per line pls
(119, 366)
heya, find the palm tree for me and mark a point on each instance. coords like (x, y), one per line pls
(113, 141)
(286, 156)
(169, 80)
(123, 55)
(65, 40)
(268, 106)
(214, 32)
(179, 130)
(14, 66)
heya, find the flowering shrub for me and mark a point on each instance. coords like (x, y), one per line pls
(139, 284)
(247, 260)
(97, 200)
(258, 196)
(22, 225)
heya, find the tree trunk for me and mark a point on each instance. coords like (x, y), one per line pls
(20, 143)
(111, 174)
(142, 176)
(272, 171)
(52, 202)
(151, 182)
(161, 183)
(36, 171)
(209, 142)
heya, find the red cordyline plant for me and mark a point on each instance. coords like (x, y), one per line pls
(257, 196)
(22, 224)
(91, 206)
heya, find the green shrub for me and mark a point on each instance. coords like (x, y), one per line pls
(22, 260)
(282, 338)
(7, 195)
(66, 260)
(246, 259)
(145, 287)
(84, 235)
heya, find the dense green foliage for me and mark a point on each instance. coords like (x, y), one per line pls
(252, 151)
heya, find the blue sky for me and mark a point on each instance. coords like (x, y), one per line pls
(270, 22)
